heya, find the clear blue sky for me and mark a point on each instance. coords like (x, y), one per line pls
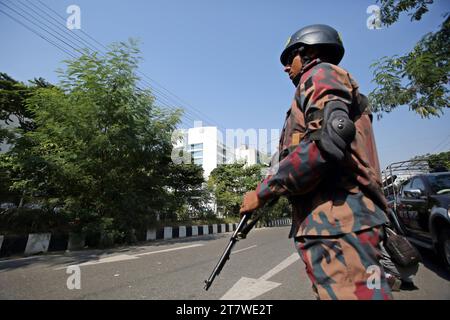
(222, 57)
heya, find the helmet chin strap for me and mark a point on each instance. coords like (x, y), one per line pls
(296, 80)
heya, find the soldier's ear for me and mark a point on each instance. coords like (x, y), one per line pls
(311, 52)
(308, 53)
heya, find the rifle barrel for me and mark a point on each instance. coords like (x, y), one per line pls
(226, 254)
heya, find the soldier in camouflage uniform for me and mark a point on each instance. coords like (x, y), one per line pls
(329, 171)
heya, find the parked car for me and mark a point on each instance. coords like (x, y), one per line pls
(421, 211)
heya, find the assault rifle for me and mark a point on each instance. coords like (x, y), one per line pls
(241, 232)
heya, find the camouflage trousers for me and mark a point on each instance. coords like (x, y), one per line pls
(345, 266)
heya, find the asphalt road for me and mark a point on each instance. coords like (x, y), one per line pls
(263, 266)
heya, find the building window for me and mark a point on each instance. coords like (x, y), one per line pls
(196, 151)
(197, 154)
(196, 147)
(198, 161)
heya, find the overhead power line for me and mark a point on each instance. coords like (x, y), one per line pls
(54, 32)
(47, 31)
(162, 91)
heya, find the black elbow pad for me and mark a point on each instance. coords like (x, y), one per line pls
(337, 132)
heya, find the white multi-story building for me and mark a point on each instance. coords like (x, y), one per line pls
(250, 156)
(205, 146)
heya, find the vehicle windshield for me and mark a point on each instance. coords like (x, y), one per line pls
(440, 184)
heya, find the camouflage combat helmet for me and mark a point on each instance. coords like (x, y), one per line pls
(323, 36)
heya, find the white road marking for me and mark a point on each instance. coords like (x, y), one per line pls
(280, 267)
(248, 288)
(125, 257)
(169, 250)
(237, 251)
(120, 257)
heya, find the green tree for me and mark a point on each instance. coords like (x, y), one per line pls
(419, 78)
(14, 114)
(188, 198)
(13, 111)
(229, 182)
(390, 10)
(280, 209)
(438, 161)
(101, 148)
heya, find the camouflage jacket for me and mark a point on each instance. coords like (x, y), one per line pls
(327, 198)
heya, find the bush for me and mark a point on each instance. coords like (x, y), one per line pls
(25, 220)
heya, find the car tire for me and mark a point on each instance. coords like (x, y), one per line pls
(444, 246)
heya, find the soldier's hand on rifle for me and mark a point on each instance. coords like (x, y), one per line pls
(251, 202)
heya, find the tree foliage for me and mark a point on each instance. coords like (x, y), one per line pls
(229, 183)
(100, 148)
(187, 195)
(15, 118)
(419, 78)
(391, 9)
(13, 112)
(438, 161)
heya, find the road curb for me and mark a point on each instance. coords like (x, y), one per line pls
(35, 243)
